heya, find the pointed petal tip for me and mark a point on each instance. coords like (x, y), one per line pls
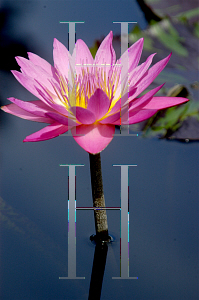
(79, 41)
(29, 53)
(5, 109)
(30, 140)
(18, 58)
(141, 40)
(55, 42)
(10, 98)
(15, 73)
(165, 60)
(109, 36)
(168, 57)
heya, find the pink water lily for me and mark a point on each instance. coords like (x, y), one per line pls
(89, 96)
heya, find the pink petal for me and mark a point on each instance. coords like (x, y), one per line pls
(36, 107)
(116, 107)
(27, 82)
(83, 57)
(98, 104)
(111, 119)
(40, 92)
(21, 113)
(136, 117)
(120, 103)
(61, 119)
(52, 101)
(131, 56)
(38, 61)
(150, 75)
(164, 102)
(143, 112)
(141, 115)
(83, 115)
(135, 52)
(137, 73)
(120, 115)
(93, 138)
(142, 101)
(61, 57)
(47, 133)
(127, 94)
(36, 72)
(106, 54)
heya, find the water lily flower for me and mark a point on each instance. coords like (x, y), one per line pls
(88, 96)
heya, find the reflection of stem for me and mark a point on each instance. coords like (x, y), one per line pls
(101, 224)
(99, 263)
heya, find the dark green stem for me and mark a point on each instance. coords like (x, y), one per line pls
(101, 225)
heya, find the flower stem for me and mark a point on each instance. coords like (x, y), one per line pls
(101, 225)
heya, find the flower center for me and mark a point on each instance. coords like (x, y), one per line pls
(78, 88)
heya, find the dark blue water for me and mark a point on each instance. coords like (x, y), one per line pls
(163, 188)
(163, 213)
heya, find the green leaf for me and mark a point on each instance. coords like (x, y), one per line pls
(170, 39)
(188, 14)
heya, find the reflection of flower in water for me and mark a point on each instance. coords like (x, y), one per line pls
(89, 96)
